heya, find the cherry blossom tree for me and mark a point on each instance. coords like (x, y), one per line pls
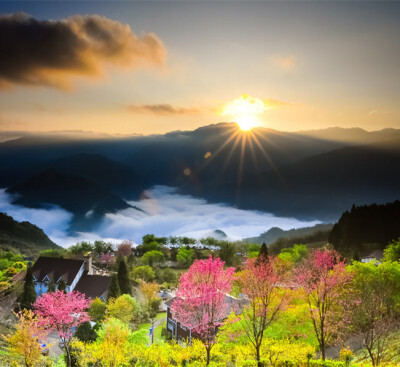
(200, 301)
(262, 284)
(62, 312)
(324, 280)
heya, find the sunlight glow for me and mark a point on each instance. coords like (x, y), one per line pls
(245, 111)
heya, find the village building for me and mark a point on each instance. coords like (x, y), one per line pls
(77, 274)
(180, 332)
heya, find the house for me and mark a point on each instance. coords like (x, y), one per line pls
(376, 255)
(76, 273)
(179, 331)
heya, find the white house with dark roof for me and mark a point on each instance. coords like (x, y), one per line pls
(76, 273)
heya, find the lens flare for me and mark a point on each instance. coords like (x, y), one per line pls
(245, 111)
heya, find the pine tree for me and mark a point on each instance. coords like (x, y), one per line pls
(51, 287)
(263, 252)
(62, 286)
(114, 291)
(123, 278)
(28, 296)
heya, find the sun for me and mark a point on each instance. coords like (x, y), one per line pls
(245, 111)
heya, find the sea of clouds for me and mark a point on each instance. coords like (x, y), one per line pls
(164, 212)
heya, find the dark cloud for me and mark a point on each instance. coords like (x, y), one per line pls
(163, 109)
(46, 52)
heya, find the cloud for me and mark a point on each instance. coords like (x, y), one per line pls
(51, 52)
(163, 109)
(165, 213)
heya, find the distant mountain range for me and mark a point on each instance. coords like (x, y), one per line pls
(275, 233)
(310, 174)
(23, 237)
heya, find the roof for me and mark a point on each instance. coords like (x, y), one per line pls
(93, 285)
(55, 268)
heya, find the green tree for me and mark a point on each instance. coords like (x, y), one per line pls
(153, 257)
(124, 308)
(97, 310)
(263, 251)
(114, 291)
(51, 287)
(85, 332)
(145, 273)
(392, 251)
(62, 286)
(123, 278)
(28, 296)
(185, 256)
(227, 251)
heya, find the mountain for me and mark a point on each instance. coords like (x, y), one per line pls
(86, 200)
(275, 233)
(366, 227)
(308, 174)
(321, 186)
(23, 237)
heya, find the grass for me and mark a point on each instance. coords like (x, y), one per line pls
(157, 332)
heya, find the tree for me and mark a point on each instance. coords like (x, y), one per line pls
(62, 312)
(152, 257)
(200, 300)
(97, 310)
(124, 308)
(27, 338)
(114, 291)
(324, 280)
(145, 273)
(28, 296)
(375, 313)
(125, 248)
(152, 299)
(185, 256)
(62, 286)
(260, 281)
(51, 287)
(227, 252)
(392, 251)
(123, 278)
(263, 251)
(85, 332)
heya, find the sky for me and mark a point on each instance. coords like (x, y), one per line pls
(144, 67)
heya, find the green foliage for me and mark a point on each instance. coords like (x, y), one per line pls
(263, 251)
(124, 308)
(153, 257)
(85, 332)
(293, 255)
(227, 252)
(145, 273)
(28, 296)
(392, 251)
(167, 276)
(61, 286)
(81, 248)
(114, 291)
(97, 310)
(9, 258)
(123, 278)
(53, 252)
(51, 287)
(24, 237)
(185, 256)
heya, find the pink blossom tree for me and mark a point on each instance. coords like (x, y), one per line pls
(200, 300)
(324, 279)
(263, 286)
(62, 312)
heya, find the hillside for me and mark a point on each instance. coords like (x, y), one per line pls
(275, 233)
(366, 227)
(86, 200)
(23, 237)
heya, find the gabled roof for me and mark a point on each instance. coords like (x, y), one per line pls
(93, 285)
(55, 268)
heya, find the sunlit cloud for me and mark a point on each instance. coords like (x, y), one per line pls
(53, 52)
(163, 109)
